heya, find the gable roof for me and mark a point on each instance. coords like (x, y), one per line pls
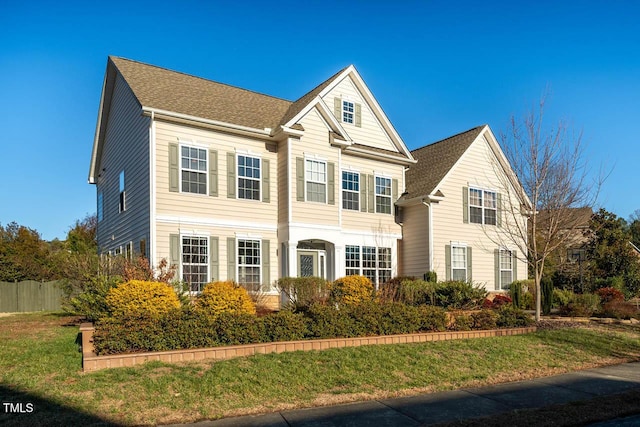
(163, 89)
(435, 161)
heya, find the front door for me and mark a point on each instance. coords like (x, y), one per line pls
(311, 263)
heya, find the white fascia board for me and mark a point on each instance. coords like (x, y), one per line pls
(378, 156)
(214, 123)
(96, 137)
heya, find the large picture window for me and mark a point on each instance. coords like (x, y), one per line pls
(249, 262)
(248, 177)
(383, 195)
(369, 261)
(316, 180)
(483, 206)
(350, 190)
(195, 262)
(194, 170)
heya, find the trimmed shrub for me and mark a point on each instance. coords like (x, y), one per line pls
(140, 298)
(619, 309)
(398, 318)
(484, 319)
(391, 289)
(432, 318)
(224, 297)
(609, 294)
(91, 301)
(462, 322)
(562, 297)
(304, 291)
(326, 321)
(234, 328)
(417, 292)
(351, 290)
(284, 325)
(511, 317)
(431, 276)
(459, 295)
(515, 291)
(582, 305)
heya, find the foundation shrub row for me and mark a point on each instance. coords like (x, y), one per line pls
(223, 314)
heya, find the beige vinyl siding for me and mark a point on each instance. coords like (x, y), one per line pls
(164, 230)
(221, 207)
(367, 221)
(370, 132)
(126, 147)
(314, 142)
(415, 241)
(476, 169)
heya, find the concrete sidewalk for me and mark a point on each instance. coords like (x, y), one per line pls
(455, 405)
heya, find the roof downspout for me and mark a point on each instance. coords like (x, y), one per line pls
(152, 198)
(430, 230)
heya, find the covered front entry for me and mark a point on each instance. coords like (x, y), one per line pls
(315, 258)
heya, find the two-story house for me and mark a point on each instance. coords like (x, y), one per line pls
(464, 213)
(227, 183)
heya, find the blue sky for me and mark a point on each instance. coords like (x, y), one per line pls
(437, 68)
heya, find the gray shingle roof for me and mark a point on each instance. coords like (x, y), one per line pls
(164, 89)
(435, 160)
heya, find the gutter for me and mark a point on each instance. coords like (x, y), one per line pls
(430, 229)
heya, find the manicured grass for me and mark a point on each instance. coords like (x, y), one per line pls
(40, 362)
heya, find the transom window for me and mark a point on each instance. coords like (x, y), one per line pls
(348, 109)
(369, 261)
(248, 177)
(195, 262)
(316, 180)
(194, 170)
(506, 268)
(351, 190)
(249, 264)
(459, 263)
(383, 195)
(483, 206)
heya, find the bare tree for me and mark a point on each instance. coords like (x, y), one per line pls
(551, 166)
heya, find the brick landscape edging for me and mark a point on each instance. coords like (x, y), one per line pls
(91, 362)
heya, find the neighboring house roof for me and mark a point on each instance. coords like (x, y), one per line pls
(163, 89)
(435, 161)
(572, 218)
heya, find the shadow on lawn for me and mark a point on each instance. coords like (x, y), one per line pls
(18, 408)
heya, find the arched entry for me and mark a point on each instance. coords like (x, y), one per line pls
(314, 257)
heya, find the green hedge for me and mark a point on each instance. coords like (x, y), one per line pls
(188, 328)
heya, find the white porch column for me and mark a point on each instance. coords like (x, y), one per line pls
(292, 248)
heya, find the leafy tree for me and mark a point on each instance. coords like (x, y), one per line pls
(634, 227)
(24, 255)
(610, 254)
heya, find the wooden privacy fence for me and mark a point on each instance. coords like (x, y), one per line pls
(30, 295)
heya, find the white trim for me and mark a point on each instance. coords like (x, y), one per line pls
(464, 246)
(238, 154)
(196, 146)
(153, 196)
(211, 222)
(308, 158)
(350, 191)
(356, 151)
(375, 193)
(198, 235)
(259, 265)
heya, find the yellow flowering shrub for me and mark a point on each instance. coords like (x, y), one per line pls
(139, 297)
(351, 290)
(224, 297)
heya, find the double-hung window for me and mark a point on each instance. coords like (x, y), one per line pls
(248, 177)
(193, 170)
(383, 195)
(122, 198)
(249, 262)
(483, 206)
(350, 190)
(369, 261)
(195, 262)
(348, 110)
(316, 180)
(459, 263)
(506, 268)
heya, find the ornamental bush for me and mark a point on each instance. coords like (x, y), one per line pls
(140, 298)
(351, 290)
(581, 305)
(484, 319)
(511, 317)
(284, 325)
(304, 291)
(224, 297)
(609, 294)
(459, 295)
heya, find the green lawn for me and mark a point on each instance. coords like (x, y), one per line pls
(40, 363)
